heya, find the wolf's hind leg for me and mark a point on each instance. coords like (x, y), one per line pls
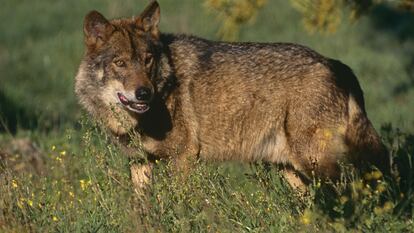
(141, 175)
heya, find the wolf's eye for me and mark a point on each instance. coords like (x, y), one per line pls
(119, 63)
(148, 59)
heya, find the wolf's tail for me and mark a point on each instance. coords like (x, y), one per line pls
(364, 142)
(361, 138)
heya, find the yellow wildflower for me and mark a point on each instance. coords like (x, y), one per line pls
(366, 191)
(358, 185)
(14, 183)
(82, 184)
(368, 176)
(318, 184)
(55, 219)
(381, 188)
(19, 203)
(343, 199)
(378, 210)
(306, 217)
(376, 175)
(388, 206)
(85, 184)
(30, 203)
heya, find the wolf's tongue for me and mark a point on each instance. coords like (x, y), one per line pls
(123, 99)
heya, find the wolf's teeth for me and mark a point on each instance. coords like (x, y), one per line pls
(137, 105)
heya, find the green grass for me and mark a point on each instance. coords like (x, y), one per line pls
(85, 184)
(85, 187)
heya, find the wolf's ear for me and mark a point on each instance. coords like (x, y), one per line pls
(96, 28)
(150, 18)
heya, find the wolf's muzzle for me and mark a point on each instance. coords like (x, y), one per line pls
(139, 106)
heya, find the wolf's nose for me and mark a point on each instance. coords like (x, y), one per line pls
(143, 94)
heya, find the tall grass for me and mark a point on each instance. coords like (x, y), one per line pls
(89, 190)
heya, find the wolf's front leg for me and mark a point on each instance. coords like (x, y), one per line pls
(294, 180)
(141, 175)
(185, 161)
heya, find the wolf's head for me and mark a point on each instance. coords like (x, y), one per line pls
(116, 80)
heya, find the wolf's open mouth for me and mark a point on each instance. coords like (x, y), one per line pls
(138, 107)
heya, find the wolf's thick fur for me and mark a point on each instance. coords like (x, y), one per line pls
(277, 102)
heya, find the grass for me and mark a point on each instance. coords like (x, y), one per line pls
(84, 185)
(88, 189)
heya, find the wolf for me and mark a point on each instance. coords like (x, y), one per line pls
(191, 98)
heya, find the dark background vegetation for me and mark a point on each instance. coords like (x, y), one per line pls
(84, 184)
